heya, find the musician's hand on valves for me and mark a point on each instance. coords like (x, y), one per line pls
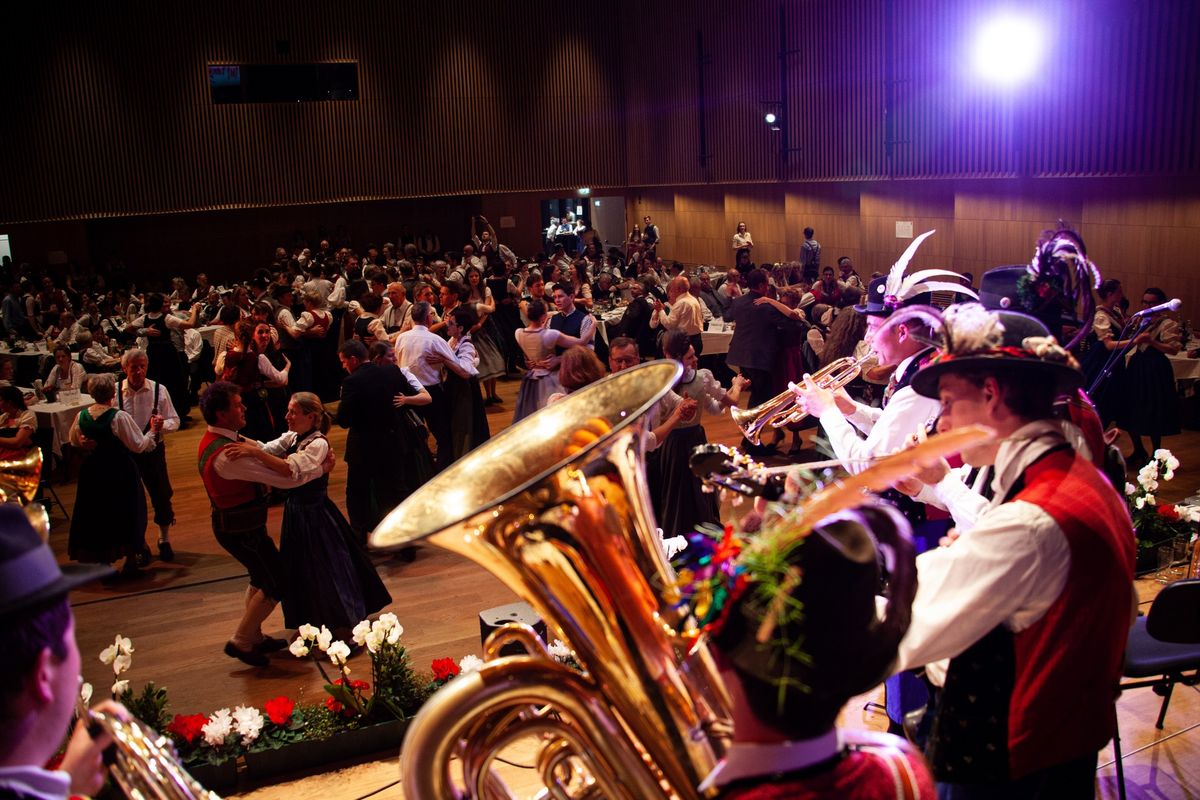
(83, 760)
(814, 399)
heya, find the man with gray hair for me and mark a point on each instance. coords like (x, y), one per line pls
(142, 399)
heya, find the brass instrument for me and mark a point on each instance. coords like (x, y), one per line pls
(570, 531)
(781, 409)
(146, 765)
(19, 478)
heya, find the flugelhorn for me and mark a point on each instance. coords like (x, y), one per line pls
(146, 766)
(782, 410)
(556, 506)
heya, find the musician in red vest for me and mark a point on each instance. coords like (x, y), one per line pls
(1033, 605)
(239, 518)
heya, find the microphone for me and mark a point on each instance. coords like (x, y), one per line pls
(1170, 305)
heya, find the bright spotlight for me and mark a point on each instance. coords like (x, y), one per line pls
(1008, 50)
(770, 118)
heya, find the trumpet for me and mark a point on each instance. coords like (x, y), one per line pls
(781, 409)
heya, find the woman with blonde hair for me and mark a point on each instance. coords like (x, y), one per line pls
(578, 367)
(332, 581)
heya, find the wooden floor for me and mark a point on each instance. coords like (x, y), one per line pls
(180, 615)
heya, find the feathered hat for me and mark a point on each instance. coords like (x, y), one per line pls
(1056, 286)
(973, 336)
(895, 290)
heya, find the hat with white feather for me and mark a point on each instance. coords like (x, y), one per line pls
(896, 290)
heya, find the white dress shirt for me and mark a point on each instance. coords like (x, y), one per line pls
(254, 471)
(125, 429)
(56, 380)
(139, 404)
(35, 782)
(684, 315)
(887, 429)
(411, 348)
(1008, 570)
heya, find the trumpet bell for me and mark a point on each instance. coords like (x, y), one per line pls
(557, 507)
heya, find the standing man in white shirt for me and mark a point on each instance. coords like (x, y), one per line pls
(142, 399)
(421, 351)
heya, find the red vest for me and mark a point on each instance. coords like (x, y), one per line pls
(222, 492)
(1068, 663)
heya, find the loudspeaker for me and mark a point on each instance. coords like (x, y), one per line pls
(493, 618)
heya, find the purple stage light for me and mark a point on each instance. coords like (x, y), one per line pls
(1007, 50)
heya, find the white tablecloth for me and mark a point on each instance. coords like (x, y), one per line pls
(1185, 368)
(716, 338)
(59, 417)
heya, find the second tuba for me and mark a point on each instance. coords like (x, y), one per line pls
(564, 521)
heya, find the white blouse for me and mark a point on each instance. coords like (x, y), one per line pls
(306, 463)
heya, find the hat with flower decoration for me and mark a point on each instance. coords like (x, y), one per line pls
(972, 336)
(1056, 286)
(796, 617)
(896, 290)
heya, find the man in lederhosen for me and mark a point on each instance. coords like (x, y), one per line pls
(142, 399)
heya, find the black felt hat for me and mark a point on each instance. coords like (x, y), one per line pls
(847, 648)
(973, 336)
(29, 573)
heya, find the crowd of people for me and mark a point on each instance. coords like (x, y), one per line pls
(411, 347)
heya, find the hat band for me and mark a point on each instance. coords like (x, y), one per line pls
(1008, 350)
(28, 573)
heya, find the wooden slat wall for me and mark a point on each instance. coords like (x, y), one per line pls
(107, 109)
(1145, 232)
(1118, 93)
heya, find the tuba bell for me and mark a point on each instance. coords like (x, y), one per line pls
(562, 518)
(19, 479)
(145, 764)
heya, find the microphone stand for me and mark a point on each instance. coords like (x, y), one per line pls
(1118, 354)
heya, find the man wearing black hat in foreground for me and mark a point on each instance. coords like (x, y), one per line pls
(829, 642)
(39, 674)
(1033, 605)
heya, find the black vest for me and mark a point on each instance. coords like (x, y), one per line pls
(570, 324)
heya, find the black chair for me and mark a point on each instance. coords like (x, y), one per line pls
(1164, 643)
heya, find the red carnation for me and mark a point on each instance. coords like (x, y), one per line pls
(1168, 510)
(279, 710)
(187, 726)
(444, 669)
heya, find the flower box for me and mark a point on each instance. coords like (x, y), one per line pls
(221, 778)
(359, 744)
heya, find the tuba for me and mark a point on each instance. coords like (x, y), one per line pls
(19, 479)
(145, 764)
(561, 516)
(781, 409)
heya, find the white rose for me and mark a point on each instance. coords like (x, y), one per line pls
(298, 647)
(324, 637)
(307, 631)
(1139, 503)
(119, 688)
(85, 692)
(359, 634)
(248, 722)
(121, 663)
(470, 664)
(1130, 488)
(218, 727)
(338, 652)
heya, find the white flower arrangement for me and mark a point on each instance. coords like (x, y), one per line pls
(218, 728)
(470, 663)
(339, 653)
(120, 687)
(248, 722)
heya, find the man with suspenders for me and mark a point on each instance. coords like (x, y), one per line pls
(142, 399)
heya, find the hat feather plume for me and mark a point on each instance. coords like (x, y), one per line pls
(971, 328)
(1061, 259)
(895, 279)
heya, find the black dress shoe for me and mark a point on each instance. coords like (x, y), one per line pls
(143, 558)
(270, 644)
(165, 551)
(250, 657)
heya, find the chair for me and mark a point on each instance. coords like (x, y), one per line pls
(1164, 643)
